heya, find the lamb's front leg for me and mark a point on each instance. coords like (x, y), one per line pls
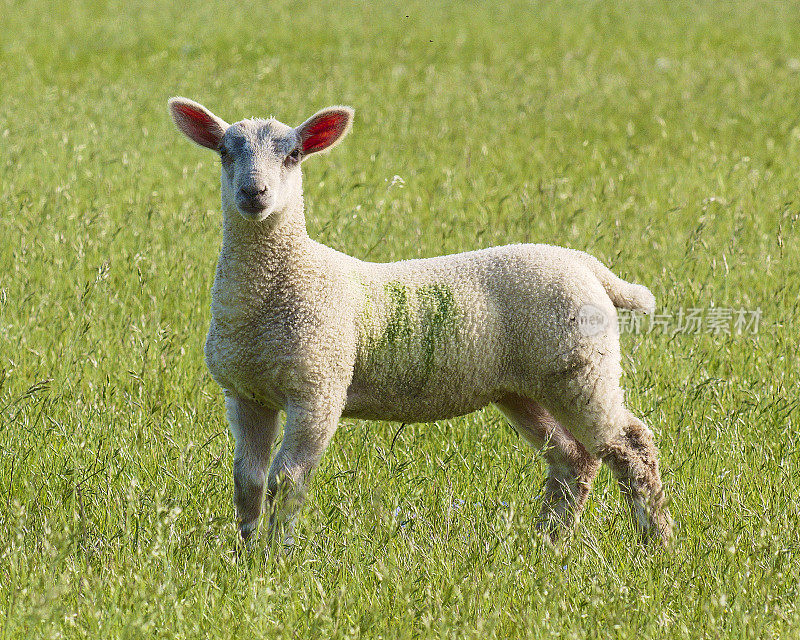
(310, 425)
(254, 428)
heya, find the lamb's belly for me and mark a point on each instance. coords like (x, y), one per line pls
(409, 384)
(402, 405)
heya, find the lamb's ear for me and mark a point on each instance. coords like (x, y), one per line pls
(197, 123)
(324, 129)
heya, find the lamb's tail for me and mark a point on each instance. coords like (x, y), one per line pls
(624, 295)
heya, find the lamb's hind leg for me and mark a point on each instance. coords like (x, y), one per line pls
(591, 401)
(570, 467)
(254, 428)
(633, 458)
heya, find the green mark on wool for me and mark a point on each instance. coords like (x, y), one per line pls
(416, 322)
(437, 306)
(399, 325)
(369, 311)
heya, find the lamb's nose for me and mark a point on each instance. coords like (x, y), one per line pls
(253, 197)
(253, 191)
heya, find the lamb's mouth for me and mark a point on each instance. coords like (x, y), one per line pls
(255, 214)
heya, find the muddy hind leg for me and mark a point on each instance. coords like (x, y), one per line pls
(591, 402)
(570, 467)
(633, 458)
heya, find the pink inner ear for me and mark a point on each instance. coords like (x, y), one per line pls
(199, 126)
(323, 132)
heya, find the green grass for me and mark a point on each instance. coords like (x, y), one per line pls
(662, 137)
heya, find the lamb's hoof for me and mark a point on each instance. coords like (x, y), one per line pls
(280, 544)
(554, 531)
(246, 537)
(661, 531)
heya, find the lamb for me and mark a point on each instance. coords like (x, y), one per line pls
(301, 328)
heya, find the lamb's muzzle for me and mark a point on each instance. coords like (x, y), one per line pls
(301, 328)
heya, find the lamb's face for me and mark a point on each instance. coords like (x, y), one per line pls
(260, 167)
(260, 158)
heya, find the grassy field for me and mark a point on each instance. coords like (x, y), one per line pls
(662, 137)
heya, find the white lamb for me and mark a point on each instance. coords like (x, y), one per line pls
(299, 327)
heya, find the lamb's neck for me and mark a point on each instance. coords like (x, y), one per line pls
(262, 246)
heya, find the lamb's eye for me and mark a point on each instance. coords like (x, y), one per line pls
(293, 158)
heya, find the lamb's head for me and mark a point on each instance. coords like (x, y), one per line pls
(260, 158)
